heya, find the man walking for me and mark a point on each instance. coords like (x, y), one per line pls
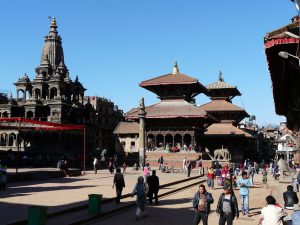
(119, 183)
(141, 190)
(227, 207)
(189, 168)
(244, 185)
(153, 183)
(161, 162)
(184, 165)
(201, 205)
(95, 163)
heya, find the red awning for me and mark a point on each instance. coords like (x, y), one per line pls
(280, 41)
(29, 124)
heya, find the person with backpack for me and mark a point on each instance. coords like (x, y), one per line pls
(141, 190)
(227, 207)
(119, 183)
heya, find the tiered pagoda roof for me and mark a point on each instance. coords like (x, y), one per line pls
(226, 129)
(170, 109)
(174, 85)
(221, 89)
(221, 107)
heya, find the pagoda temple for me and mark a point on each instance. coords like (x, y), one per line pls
(225, 136)
(174, 124)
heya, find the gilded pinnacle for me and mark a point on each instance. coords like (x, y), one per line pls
(53, 23)
(175, 69)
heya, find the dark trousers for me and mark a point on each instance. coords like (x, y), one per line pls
(189, 173)
(200, 216)
(226, 218)
(151, 193)
(119, 194)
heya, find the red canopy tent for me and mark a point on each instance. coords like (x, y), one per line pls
(26, 124)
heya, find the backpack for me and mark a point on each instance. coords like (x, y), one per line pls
(140, 190)
(60, 164)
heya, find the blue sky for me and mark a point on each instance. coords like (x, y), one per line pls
(115, 44)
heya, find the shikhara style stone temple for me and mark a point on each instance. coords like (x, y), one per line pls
(177, 124)
(52, 97)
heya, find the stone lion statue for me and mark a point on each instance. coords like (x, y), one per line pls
(222, 154)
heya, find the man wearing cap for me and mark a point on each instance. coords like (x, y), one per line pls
(227, 207)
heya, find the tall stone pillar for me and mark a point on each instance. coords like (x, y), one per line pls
(142, 114)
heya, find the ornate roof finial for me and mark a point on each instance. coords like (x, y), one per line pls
(220, 76)
(142, 103)
(53, 23)
(175, 69)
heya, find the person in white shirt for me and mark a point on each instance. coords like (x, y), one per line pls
(95, 163)
(271, 214)
(184, 169)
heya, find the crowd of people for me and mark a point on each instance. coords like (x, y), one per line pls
(227, 207)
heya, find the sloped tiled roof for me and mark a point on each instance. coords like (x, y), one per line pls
(170, 109)
(220, 105)
(169, 79)
(225, 129)
(127, 128)
(220, 85)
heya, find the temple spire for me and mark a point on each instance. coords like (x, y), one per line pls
(53, 23)
(175, 69)
(221, 76)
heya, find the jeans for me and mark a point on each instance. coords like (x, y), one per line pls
(226, 217)
(160, 166)
(245, 203)
(200, 216)
(210, 182)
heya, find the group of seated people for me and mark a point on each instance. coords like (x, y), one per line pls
(169, 147)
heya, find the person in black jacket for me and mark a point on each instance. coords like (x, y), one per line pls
(119, 183)
(153, 183)
(290, 198)
(201, 205)
(227, 207)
